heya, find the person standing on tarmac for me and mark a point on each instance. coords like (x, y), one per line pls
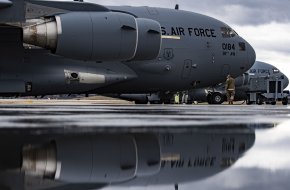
(230, 88)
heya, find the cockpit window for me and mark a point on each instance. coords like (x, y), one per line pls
(252, 70)
(242, 46)
(228, 32)
(276, 70)
(262, 71)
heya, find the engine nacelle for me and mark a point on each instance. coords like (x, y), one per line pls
(97, 36)
(149, 39)
(149, 156)
(88, 35)
(94, 159)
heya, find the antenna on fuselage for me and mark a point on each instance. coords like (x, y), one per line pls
(177, 7)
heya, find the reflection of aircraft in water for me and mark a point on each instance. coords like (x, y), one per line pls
(148, 156)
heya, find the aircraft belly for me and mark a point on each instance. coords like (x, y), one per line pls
(12, 86)
(42, 73)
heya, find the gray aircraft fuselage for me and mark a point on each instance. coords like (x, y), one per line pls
(195, 51)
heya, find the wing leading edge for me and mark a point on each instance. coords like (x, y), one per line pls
(5, 3)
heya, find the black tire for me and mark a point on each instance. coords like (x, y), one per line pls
(155, 102)
(273, 103)
(217, 98)
(209, 99)
(285, 101)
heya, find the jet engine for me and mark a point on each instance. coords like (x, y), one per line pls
(100, 158)
(97, 36)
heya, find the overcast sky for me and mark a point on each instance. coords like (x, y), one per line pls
(263, 23)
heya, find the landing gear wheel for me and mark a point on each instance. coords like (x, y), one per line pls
(217, 98)
(141, 101)
(273, 103)
(155, 102)
(285, 101)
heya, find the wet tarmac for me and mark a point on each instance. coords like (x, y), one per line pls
(265, 165)
(96, 117)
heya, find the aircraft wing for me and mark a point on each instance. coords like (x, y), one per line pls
(5, 3)
(12, 11)
(36, 8)
(70, 5)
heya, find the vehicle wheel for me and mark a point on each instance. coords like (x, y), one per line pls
(259, 100)
(217, 98)
(273, 103)
(285, 101)
(209, 99)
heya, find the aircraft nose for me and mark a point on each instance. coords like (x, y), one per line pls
(251, 54)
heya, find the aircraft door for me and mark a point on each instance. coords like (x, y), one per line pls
(186, 68)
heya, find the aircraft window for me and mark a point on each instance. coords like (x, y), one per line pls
(276, 71)
(282, 77)
(227, 32)
(242, 46)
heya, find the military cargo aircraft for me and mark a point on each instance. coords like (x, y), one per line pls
(51, 47)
